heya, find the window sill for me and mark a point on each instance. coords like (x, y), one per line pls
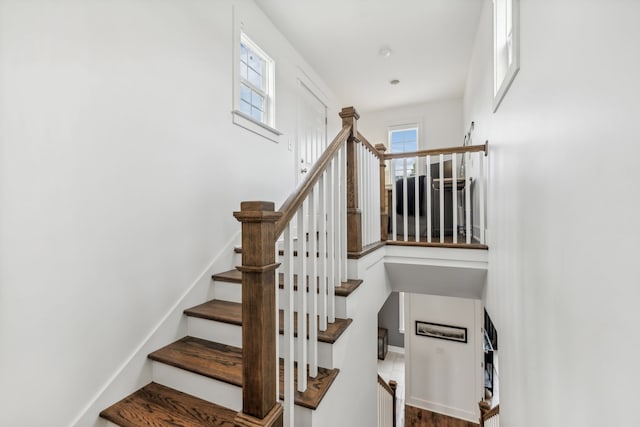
(243, 120)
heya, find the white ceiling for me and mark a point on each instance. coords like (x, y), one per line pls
(431, 42)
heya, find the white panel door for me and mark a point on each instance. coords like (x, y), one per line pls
(311, 130)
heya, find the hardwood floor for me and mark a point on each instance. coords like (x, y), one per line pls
(416, 417)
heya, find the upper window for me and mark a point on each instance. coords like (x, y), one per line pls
(254, 104)
(403, 140)
(506, 52)
(254, 83)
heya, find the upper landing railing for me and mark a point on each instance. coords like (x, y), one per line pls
(337, 212)
(437, 197)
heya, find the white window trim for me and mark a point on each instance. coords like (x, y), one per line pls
(500, 10)
(268, 129)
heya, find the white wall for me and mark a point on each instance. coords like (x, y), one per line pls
(563, 284)
(119, 170)
(352, 399)
(440, 123)
(443, 376)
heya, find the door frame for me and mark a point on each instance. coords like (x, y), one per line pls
(305, 83)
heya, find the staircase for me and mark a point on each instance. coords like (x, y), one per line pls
(245, 360)
(206, 365)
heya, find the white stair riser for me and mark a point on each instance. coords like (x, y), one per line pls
(340, 302)
(223, 333)
(206, 388)
(212, 390)
(227, 334)
(325, 352)
(232, 292)
(226, 291)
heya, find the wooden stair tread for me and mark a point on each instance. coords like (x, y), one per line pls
(208, 358)
(218, 310)
(235, 276)
(231, 312)
(232, 276)
(160, 406)
(224, 363)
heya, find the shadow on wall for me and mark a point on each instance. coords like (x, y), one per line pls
(388, 318)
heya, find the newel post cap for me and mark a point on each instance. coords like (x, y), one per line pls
(348, 112)
(257, 211)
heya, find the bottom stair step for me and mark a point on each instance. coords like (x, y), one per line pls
(160, 406)
(224, 363)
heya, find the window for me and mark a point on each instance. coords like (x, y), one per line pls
(402, 140)
(253, 81)
(506, 57)
(254, 102)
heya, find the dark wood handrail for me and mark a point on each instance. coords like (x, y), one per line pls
(437, 151)
(295, 200)
(370, 146)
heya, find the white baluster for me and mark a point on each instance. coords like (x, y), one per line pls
(416, 193)
(302, 298)
(333, 191)
(312, 260)
(394, 219)
(288, 341)
(343, 220)
(441, 194)
(405, 200)
(366, 207)
(467, 197)
(428, 184)
(277, 315)
(481, 178)
(454, 196)
(361, 193)
(322, 243)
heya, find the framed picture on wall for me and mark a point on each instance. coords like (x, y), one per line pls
(443, 332)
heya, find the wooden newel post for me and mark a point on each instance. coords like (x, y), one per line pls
(350, 117)
(259, 364)
(384, 209)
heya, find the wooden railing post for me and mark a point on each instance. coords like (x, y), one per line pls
(384, 209)
(350, 117)
(259, 364)
(394, 386)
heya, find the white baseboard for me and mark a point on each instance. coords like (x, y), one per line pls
(135, 371)
(449, 411)
(396, 349)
